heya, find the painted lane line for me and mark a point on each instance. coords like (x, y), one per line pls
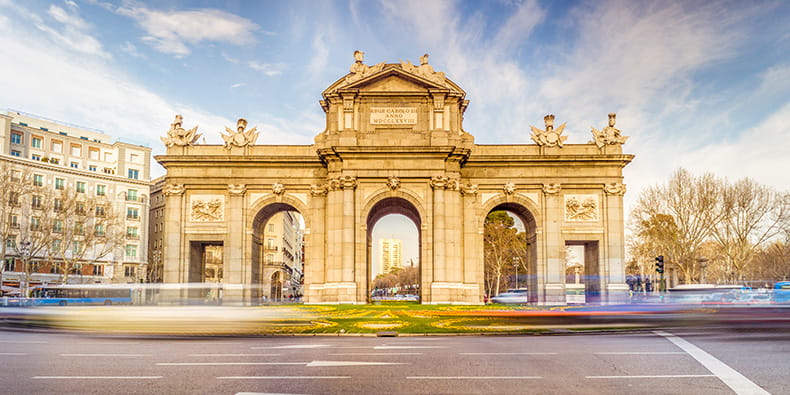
(280, 377)
(642, 353)
(105, 355)
(377, 353)
(227, 363)
(24, 341)
(656, 376)
(736, 381)
(315, 364)
(474, 377)
(107, 343)
(507, 353)
(96, 377)
(403, 347)
(234, 355)
(294, 346)
(13, 353)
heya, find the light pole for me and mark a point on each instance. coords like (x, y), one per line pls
(24, 253)
(157, 255)
(515, 266)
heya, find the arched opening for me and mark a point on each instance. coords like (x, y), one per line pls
(394, 244)
(510, 252)
(277, 259)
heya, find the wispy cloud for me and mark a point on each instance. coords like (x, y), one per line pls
(269, 69)
(238, 85)
(131, 49)
(172, 32)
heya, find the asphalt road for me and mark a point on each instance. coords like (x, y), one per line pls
(671, 362)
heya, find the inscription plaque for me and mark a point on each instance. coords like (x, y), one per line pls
(393, 115)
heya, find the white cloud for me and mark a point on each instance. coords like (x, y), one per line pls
(171, 31)
(269, 69)
(131, 49)
(320, 59)
(66, 28)
(238, 85)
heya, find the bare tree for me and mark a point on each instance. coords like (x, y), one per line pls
(754, 215)
(35, 235)
(17, 183)
(504, 246)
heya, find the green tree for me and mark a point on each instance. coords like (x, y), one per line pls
(504, 246)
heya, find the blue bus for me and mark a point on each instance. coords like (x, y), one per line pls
(782, 292)
(64, 295)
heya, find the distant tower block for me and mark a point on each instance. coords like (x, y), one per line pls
(390, 255)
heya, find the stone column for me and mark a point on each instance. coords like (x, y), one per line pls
(554, 270)
(439, 183)
(334, 211)
(472, 241)
(454, 270)
(237, 269)
(173, 260)
(613, 268)
(349, 185)
(315, 253)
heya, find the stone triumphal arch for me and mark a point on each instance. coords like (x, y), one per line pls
(394, 143)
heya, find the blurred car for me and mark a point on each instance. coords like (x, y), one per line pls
(512, 296)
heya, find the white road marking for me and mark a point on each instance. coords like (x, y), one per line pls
(293, 346)
(315, 364)
(106, 343)
(280, 377)
(403, 347)
(474, 377)
(24, 341)
(507, 353)
(96, 377)
(736, 381)
(641, 353)
(656, 376)
(227, 363)
(234, 355)
(378, 353)
(105, 355)
(13, 353)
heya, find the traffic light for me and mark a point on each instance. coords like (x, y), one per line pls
(660, 264)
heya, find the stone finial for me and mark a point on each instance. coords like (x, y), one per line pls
(393, 183)
(173, 189)
(614, 189)
(609, 135)
(549, 137)
(240, 137)
(509, 188)
(237, 189)
(278, 188)
(551, 189)
(178, 136)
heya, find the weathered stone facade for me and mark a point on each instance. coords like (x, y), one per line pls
(394, 143)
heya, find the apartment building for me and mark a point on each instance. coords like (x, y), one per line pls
(63, 156)
(390, 255)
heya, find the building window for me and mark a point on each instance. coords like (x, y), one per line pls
(13, 220)
(99, 211)
(13, 199)
(76, 247)
(80, 187)
(35, 157)
(57, 206)
(131, 233)
(74, 165)
(56, 244)
(108, 156)
(78, 228)
(10, 242)
(269, 259)
(38, 180)
(99, 230)
(76, 150)
(93, 153)
(16, 153)
(57, 146)
(35, 201)
(80, 208)
(16, 138)
(54, 161)
(98, 270)
(131, 195)
(92, 168)
(60, 183)
(134, 174)
(10, 264)
(108, 170)
(271, 227)
(134, 158)
(128, 270)
(57, 226)
(36, 142)
(35, 223)
(101, 190)
(132, 213)
(131, 251)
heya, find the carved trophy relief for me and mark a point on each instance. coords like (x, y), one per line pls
(179, 137)
(240, 137)
(207, 210)
(609, 135)
(549, 137)
(581, 207)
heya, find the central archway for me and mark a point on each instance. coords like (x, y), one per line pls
(385, 207)
(277, 255)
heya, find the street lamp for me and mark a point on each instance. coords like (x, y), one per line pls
(24, 253)
(515, 266)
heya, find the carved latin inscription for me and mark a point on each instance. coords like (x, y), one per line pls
(581, 207)
(393, 115)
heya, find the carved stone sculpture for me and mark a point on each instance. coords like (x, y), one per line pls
(237, 189)
(439, 182)
(424, 70)
(509, 188)
(609, 135)
(548, 137)
(319, 189)
(614, 189)
(581, 208)
(359, 70)
(348, 182)
(207, 210)
(173, 189)
(469, 189)
(178, 136)
(240, 137)
(278, 188)
(393, 183)
(551, 189)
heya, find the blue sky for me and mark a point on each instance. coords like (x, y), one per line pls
(698, 84)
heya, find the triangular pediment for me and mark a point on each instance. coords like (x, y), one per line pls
(391, 78)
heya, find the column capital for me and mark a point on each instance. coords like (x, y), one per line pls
(348, 182)
(614, 188)
(237, 189)
(319, 189)
(439, 182)
(552, 189)
(173, 189)
(469, 189)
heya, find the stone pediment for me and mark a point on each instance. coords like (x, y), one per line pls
(392, 78)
